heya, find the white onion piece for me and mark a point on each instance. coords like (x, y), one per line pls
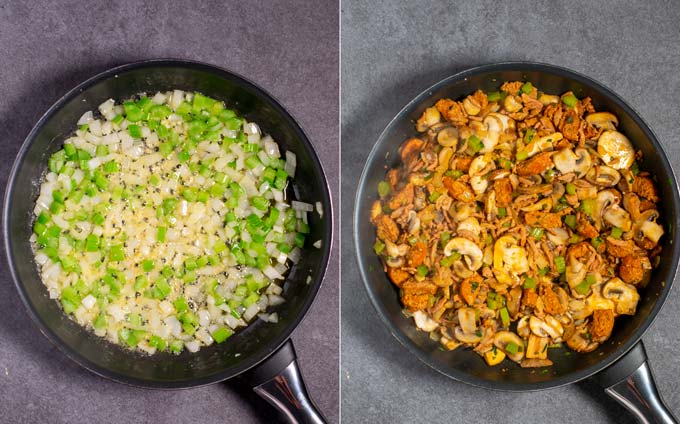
(291, 163)
(85, 118)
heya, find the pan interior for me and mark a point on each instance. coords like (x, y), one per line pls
(464, 364)
(247, 347)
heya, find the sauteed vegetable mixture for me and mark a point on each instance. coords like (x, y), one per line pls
(162, 224)
(518, 221)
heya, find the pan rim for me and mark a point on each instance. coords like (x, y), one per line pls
(276, 342)
(470, 379)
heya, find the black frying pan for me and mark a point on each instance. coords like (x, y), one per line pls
(262, 352)
(620, 364)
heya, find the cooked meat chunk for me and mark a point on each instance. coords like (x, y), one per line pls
(469, 289)
(644, 187)
(397, 275)
(402, 197)
(503, 189)
(387, 229)
(634, 268)
(452, 111)
(602, 325)
(458, 190)
(416, 255)
(536, 165)
(543, 219)
(584, 227)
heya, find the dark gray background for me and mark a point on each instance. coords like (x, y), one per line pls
(290, 48)
(391, 51)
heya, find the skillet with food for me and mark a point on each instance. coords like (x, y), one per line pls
(516, 150)
(260, 352)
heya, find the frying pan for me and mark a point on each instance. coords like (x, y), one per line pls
(620, 364)
(261, 354)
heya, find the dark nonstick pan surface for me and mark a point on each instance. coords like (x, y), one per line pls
(463, 364)
(246, 348)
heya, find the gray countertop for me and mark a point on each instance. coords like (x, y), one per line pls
(46, 48)
(391, 51)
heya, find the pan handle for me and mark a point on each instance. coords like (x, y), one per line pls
(631, 383)
(278, 381)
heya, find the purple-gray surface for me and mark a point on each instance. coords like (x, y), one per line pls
(288, 47)
(393, 50)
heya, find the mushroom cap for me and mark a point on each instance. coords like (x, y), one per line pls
(615, 149)
(503, 338)
(424, 322)
(603, 120)
(472, 254)
(624, 296)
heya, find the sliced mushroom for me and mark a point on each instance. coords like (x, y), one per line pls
(513, 300)
(579, 342)
(429, 117)
(558, 236)
(395, 250)
(608, 210)
(646, 227)
(523, 327)
(471, 253)
(577, 161)
(504, 338)
(579, 309)
(461, 211)
(448, 137)
(467, 317)
(597, 301)
(424, 322)
(615, 150)
(482, 165)
(624, 296)
(471, 106)
(471, 225)
(603, 120)
(479, 184)
(512, 104)
(547, 327)
(604, 176)
(543, 144)
(444, 158)
(496, 124)
(413, 222)
(543, 205)
(395, 262)
(548, 99)
(469, 338)
(509, 260)
(618, 217)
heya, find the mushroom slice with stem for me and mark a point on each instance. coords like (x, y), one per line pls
(580, 340)
(624, 296)
(471, 253)
(646, 227)
(604, 176)
(511, 344)
(577, 161)
(429, 117)
(615, 150)
(448, 137)
(523, 326)
(424, 322)
(603, 120)
(547, 327)
(464, 337)
(467, 318)
(543, 144)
